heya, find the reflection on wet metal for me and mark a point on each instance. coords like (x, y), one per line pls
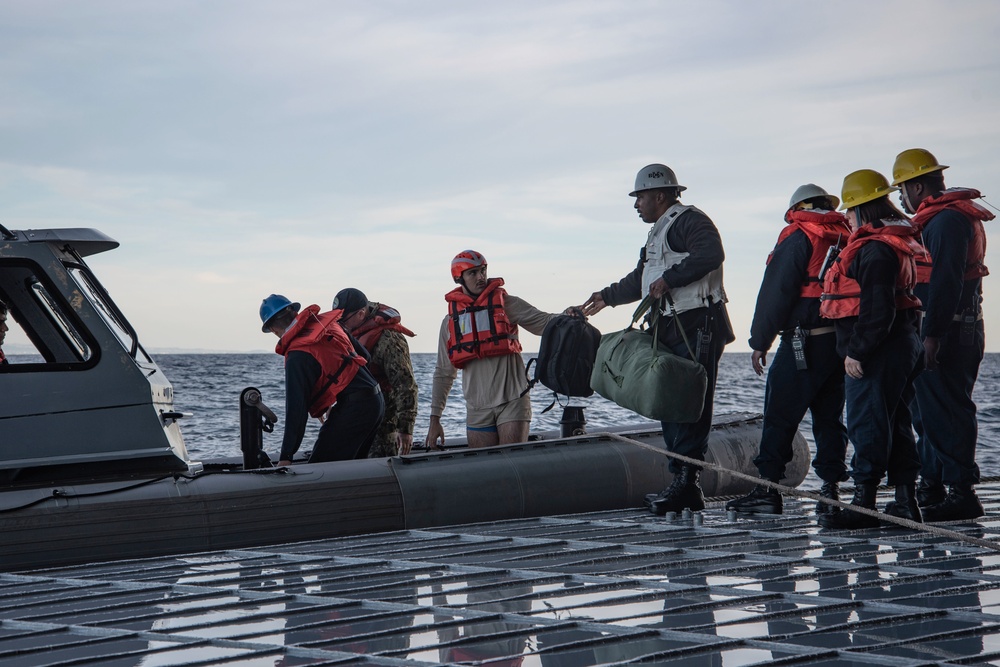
(602, 588)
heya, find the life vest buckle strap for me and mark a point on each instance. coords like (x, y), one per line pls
(331, 378)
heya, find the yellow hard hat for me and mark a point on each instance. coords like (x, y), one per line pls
(864, 186)
(914, 162)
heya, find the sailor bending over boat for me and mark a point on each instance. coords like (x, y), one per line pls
(325, 376)
(479, 336)
(682, 259)
(377, 327)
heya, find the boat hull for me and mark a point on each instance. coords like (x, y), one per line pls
(67, 524)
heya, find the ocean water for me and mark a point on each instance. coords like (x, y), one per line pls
(209, 386)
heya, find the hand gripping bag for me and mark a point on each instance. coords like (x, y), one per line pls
(638, 373)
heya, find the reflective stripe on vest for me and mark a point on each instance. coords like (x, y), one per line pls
(384, 318)
(479, 327)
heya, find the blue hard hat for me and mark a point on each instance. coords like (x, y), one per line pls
(273, 305)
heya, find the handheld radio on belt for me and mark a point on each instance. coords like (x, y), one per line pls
(799, 348)
(799, 336)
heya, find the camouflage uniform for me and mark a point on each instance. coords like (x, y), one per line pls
(392, 367)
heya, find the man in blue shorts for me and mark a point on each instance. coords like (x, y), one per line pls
(479, 336)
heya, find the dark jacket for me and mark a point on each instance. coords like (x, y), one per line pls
(779, 304)
(302, 371)
(694, 233)
(878, 323)
(947, 237)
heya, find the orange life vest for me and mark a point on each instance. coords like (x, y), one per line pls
(959, 200)
(479, 327)
(823, 230)
(842, 295)
(321, 336)
(385, 318)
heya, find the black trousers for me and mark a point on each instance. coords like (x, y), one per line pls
(878, 413)
(789, 393)
(692, 439)
(944, 414)
(350, 428)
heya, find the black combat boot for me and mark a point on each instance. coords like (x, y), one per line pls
(683, 493)
(930, 493)
(651, 498)
(761, 500)
(864, 496)
(960, 504)
(829, 490)
(905, 506)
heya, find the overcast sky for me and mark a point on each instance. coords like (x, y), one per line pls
(241, 148)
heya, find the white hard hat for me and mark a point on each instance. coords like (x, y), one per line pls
(810, 190)
(655, 176)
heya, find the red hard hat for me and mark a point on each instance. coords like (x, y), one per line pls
(465, 260)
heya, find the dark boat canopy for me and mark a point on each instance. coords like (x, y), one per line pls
(85, 242)
(88, 401)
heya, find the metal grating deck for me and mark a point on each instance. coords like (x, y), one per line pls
(605, 588)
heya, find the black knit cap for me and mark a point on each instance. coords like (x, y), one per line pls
(349, 300)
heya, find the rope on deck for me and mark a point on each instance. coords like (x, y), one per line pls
(791, 491)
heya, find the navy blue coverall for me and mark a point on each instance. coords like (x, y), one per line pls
(789, 391)
(885, 341)
(944, 414)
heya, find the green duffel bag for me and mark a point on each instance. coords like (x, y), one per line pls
(636, 372)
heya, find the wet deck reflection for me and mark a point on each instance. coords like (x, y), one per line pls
(604, 588)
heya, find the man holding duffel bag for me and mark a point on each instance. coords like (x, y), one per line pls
(681, 265)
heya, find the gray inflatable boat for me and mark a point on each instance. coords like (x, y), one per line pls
(93, 465)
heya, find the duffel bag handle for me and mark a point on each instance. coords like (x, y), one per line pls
(655, 306)
(641, 309)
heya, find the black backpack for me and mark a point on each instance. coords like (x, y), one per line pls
(566, 356)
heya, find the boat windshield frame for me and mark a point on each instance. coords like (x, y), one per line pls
(53, 328)
(69, 332)
(102, 302)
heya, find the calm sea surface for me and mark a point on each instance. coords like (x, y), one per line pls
(209, 386)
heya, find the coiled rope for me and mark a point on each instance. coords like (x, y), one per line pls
(791, 491)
